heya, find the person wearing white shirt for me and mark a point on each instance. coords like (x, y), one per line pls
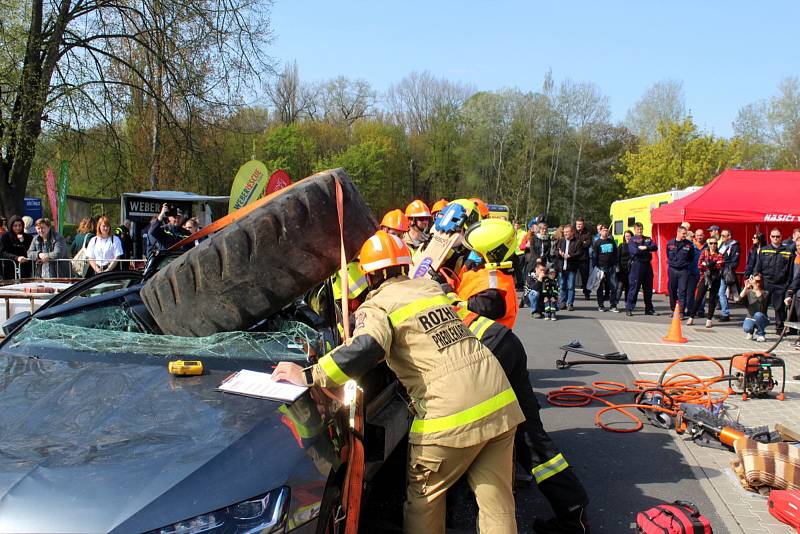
(104, 249)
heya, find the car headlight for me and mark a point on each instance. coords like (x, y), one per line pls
(265, 514)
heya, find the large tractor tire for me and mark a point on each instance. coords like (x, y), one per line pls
(257, 265)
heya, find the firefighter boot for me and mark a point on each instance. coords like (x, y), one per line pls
(573, 523)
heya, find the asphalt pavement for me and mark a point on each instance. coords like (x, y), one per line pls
(623, 473)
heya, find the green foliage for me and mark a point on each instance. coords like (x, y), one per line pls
(288, 148)
(680, 157)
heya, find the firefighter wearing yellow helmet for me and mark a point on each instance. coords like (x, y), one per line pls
(489, 289)
(466, 412)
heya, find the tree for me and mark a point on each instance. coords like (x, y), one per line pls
(662, 102)
(769, 130)
(345, 101)
(76, 67)
(588, 110)
(420, 96)
(287, 148)
(290, 97)
(681, 157)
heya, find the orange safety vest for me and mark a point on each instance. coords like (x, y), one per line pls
(474, 282)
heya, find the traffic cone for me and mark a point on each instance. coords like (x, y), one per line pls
(675, 335)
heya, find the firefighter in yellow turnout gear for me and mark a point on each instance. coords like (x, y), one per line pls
(466, 412)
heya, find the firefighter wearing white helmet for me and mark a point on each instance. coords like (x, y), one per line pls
(489, 290)
(419, 219)
(465, 410)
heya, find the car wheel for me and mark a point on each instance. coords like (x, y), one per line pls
(254, 267)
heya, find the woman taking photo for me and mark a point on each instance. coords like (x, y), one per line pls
(104, 249)
(754, 298)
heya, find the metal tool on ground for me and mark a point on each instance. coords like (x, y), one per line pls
(185, 367)
(752, 375)
(576, 347)
(715, 431)
(680, 400)
(675, 335)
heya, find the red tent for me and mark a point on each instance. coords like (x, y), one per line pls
(742, 201)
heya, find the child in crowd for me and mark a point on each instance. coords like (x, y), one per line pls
(534, 285)
(550, 295)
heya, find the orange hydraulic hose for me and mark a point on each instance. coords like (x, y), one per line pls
(676, 389)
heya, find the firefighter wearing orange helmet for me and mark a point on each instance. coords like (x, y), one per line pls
(466, 412)
(395, 222)
(419, 219)
(437, 208)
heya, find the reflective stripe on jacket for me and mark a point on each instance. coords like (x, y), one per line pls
(459, 391)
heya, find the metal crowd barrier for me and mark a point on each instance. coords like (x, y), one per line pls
(133, 265)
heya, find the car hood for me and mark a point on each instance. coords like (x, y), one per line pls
(99, 447)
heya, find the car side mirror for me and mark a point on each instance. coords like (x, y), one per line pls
(14, 321)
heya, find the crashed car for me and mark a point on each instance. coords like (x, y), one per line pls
(97, 436)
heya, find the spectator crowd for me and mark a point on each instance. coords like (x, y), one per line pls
(702, 276)
(35, 249)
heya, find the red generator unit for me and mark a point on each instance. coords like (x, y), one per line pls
(752, 374)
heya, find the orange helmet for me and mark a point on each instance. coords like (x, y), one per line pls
(383, 250)
(483, 207)
(417, 209)
(396, 220)
(438, 206)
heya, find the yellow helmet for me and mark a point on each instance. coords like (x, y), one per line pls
(356, 282)
(494, 239)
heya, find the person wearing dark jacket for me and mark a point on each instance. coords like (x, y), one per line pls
(680, 254)
(165, 234)
(568, 255)
(623, 269)
(641, 248)
(585, 239)
(605, 258)
(539, 246)
(14, 245)
(729, 248)
(758, 241)
(774, 263)
(123, 232)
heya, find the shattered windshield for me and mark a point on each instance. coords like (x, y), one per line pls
(114, 330)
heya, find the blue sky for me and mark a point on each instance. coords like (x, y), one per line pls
(727, 54)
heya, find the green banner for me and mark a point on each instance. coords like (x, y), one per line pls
(249, 184)
(63, 185)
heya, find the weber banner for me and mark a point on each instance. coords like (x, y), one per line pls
(249, 184)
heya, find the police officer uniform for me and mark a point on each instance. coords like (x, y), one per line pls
(641, 273)
(466, 411)
(679, 256)
(775, 265)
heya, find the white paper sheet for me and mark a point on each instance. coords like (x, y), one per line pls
(261, 385)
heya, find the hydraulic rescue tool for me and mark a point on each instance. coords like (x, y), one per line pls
(715, 431)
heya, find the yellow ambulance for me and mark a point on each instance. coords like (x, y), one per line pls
(626, 212)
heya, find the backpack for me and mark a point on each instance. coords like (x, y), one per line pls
(680, 517)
